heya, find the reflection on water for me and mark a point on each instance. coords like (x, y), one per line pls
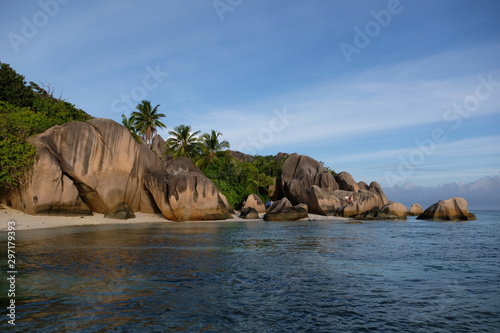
(261, 277)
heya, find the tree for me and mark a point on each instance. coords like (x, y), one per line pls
(147, 119)
(26, 110)
(129, 124)
(211, 143)
(210, 147)
(183, 142)
(13, 88)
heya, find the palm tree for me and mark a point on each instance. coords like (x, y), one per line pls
(147, 119)
(183, 142)
(211, 145)
(129, 124)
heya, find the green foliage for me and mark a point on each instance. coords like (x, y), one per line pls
(236, 179)
(26, 110)
(210, 147)
(225, 173)
(183, 142)
(17, 155)
(129, 124)
(13, 88)
(146, 119)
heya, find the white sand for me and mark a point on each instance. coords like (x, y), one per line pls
(28, 222)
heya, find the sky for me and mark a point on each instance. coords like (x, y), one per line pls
(405, 93)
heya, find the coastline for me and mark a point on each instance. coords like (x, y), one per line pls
(32, 222)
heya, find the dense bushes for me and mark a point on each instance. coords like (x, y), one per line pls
(237, 179)
(26, 110)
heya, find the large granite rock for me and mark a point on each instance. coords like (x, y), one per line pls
(158, 146)
(391, 211)
(283, 210)
(346, 182)
(454, 209)
(254, 201)
(87, 166)
(363, 186)
(96, 166)
(49, 190)
(361, 202)
(376, 189)
(182, 192)
(415, 210)
(249, 213)
(320, 202)
(305, 180)
(395, 209)
(300, 173)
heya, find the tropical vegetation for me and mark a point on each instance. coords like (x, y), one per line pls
(26, 109)
(146, 120)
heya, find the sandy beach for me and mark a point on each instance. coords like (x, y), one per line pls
(29, 222)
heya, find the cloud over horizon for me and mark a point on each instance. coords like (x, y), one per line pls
(482, 194)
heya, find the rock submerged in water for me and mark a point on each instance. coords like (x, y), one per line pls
(391, 211)
(453, 209)
(283, 210)
(415, 210)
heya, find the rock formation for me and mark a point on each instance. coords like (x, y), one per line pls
(249, 213)
(254, 201)
(391, 211)
(415, 210)
(283, 210)
(304, 180)
(95, 166)
(158, 146)
(182, 192)
(320, 202)
(454, 209)
(120, 212)
(300, 174)
(346, 182)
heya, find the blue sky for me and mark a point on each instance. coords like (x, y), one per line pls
(406, 93)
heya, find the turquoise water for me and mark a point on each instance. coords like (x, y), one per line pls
(375, 276)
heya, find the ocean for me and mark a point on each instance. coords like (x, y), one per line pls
(311, 276)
